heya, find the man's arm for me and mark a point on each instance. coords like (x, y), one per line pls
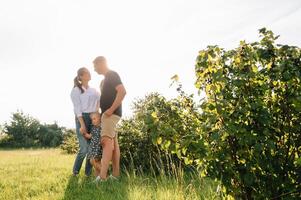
(121, 92)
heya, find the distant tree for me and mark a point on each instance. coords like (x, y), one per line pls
(1, 130)
(50, 135)
(26, 131)
(23, 130)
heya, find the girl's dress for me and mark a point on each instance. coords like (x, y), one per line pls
(94, 150)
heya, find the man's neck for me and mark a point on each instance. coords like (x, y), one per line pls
(106, 71)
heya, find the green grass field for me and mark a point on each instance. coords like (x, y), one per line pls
(46, 174)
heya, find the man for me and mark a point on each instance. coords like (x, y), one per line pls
(112, 94)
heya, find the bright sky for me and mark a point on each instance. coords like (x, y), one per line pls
(44, 42)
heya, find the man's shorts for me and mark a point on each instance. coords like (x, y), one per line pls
(108, 125)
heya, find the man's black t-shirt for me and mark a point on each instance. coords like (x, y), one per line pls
(108, 92)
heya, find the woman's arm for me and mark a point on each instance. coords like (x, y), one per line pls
(75, 97)
(83, 128)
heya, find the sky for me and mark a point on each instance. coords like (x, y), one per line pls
(44, 42)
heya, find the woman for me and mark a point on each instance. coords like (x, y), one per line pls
(85, 101)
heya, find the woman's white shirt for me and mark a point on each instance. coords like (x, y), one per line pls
(85, 102)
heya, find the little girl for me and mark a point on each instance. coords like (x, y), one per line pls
(94, 150)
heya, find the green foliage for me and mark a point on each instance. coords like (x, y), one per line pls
(246, 132)
(26, 131)
(6, 141)
(174, 126)
(50, 135)
(70, 142)
(251, 117)
(23, 130)
(135, 139)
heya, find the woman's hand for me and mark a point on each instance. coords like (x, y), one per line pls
(83, 130)
(87, 136)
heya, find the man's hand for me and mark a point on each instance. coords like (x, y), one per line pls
(109, 112)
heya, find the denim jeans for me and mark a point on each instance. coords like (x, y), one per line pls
(83, 147)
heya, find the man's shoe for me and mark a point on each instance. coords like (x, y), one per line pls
(98, 180)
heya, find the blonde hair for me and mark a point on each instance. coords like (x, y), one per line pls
(99, 59)
(94, 113)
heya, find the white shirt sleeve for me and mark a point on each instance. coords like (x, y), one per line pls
(75, 97)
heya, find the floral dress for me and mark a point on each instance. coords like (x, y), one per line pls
(94, 150)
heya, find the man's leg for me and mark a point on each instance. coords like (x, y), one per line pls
(107, 146)
(116, 158)
(98, 166)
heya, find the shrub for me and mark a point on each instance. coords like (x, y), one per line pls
(251, 117)
(247, 133)
(139, 149)
(175, 126)
(70, 143)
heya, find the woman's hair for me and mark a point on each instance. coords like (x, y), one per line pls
(77, 81)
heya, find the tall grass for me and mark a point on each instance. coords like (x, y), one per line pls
(46, 174)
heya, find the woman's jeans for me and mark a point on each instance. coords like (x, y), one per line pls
(83, 146)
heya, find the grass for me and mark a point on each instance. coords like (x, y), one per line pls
(46, 174)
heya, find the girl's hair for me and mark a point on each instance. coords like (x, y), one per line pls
(77, 81)
(94, 113)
